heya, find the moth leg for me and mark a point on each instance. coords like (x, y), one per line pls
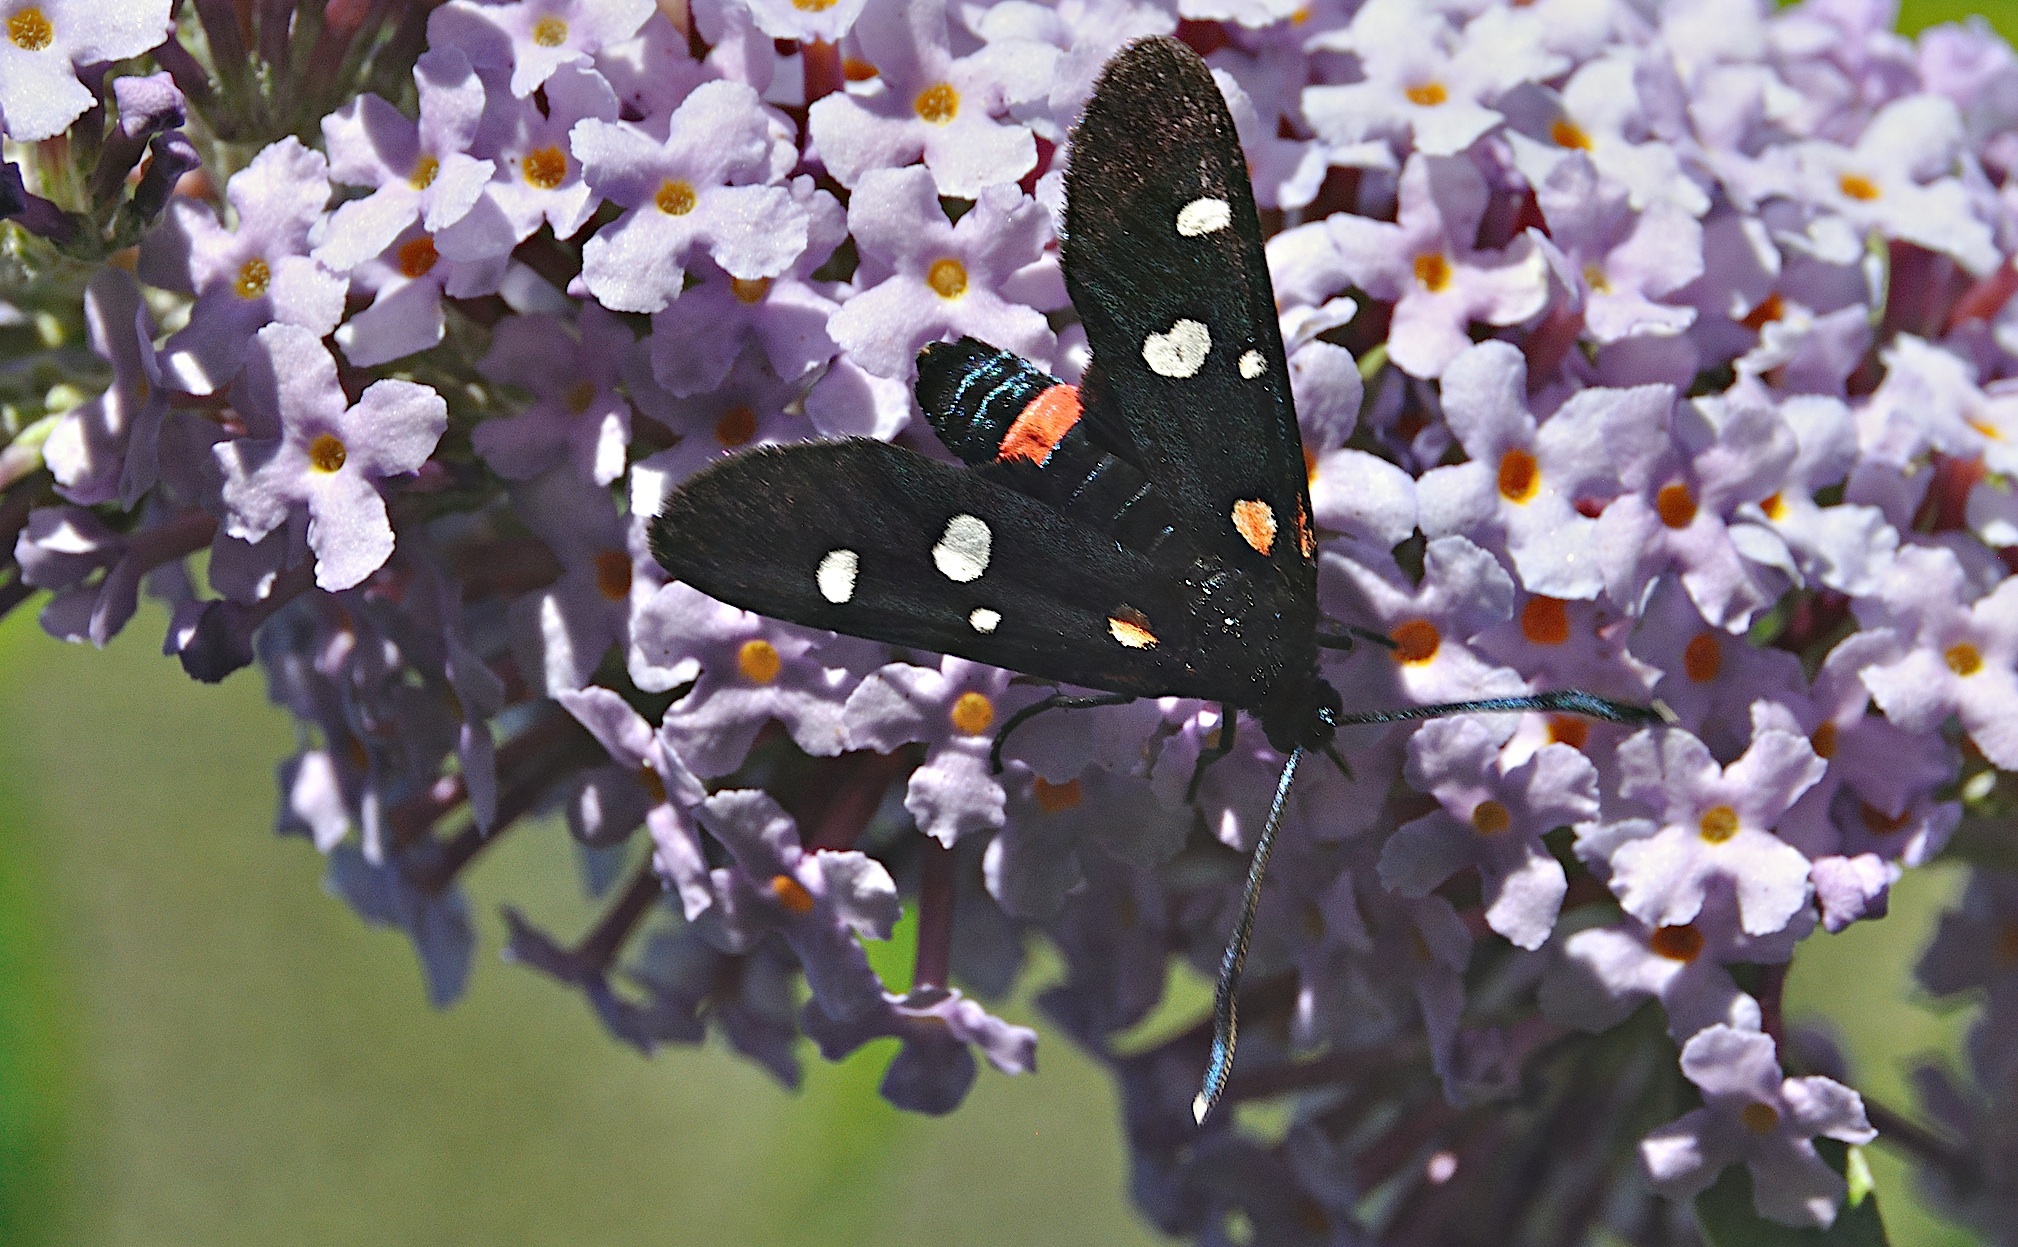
(1228, 719)
(1056, 701)
(1346, 639)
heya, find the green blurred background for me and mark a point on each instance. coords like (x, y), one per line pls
(198, 1046)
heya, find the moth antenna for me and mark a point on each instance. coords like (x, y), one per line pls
(1573, 701)
(1225, 1023)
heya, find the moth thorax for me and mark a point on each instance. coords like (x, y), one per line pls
(1300, 713)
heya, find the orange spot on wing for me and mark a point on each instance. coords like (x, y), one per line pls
(1254, 520)
(1042, 424)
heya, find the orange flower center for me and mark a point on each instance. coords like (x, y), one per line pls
(675, 198)
(1433, 271)
(1566, 729)
(972, 713)
(948, 278)
(580, 395)
(759, 661)
(1858, 187)
(1676, 505)
(1415, 641)
(1760, 1118)
(326, 452)
(1703, 657)
(750, 291)
(1519, 475)
(1056, 798)
(1681, 943)
(1427, 94)
(938, 103)
(417, 257)
(613, 575)
(1490, 817)
(1963, 659)
(28, 30)
(1823, 742)
(544, 167)
(1566, 133)
(736, 427)
(1545, 621)
(792, 894)
(254, 276)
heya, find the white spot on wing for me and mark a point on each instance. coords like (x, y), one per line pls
(984, 620)
(1179, 353)
(962, 553)
(1203, 216)
(1252, 365)
(836, 576)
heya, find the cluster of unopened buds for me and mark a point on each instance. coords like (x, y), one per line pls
(1662, 351)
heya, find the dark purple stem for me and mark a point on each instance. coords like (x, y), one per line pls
(935, 916)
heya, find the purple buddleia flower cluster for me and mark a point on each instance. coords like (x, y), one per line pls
(1664, 351)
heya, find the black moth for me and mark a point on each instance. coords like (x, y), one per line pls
(1148, 535)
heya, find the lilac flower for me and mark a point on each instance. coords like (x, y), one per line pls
(104, 449)
(537, 178)
(1619, 263)
(1751, 1112)
(822, 903)
(46, 43)
(438, 923)
(1962, 654)
(925, 102)
(1604, 973)
(419, 171)
(1534, 481)
(536, 37)
(407, 283)
(1845, 547)
(63, 548)
(932, 1072)
(1049, 830)
(746, 671)
(307, 447)
(1619, 112)
(924, 279)
(951, 711)
(562, 630)
(1674, 514)
(708, 188)
(805, 23)
(697, 337)
(1494, 818)
(634, 745)
(1463, 592)
(579, 412)
(257, 273)
(1428, 263)
(1709, 679)
(1713, 824)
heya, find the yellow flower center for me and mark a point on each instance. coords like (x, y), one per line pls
(1858, 187)
(1963, 659)
(1595, 278)
(613, 575)
(1057, 798)
(1566, 133)
(1427, 94)
(759, 661)
(736, 427)
(423, 173)
(938, 103)
(675, 198)
(750, 291)
(1719, 824)
(1490, 817)
(550, 32)
(1433, 271)
(1681, 943)
(1676, 505)
(948, 278)
(1415, 641)
(814, 6)
(972, 713)
(1520, 476)
(1774, 506)
(29, 30)
(1545, 621)
(792, 894)
(326, 452)
(254, 276)
(418, 256)
(544, 168)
